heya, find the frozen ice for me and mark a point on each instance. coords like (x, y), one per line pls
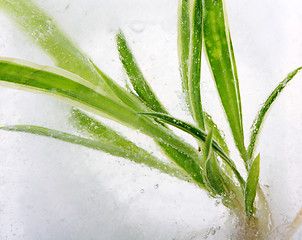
(55, 190)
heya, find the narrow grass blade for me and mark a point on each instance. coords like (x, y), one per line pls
(218, 134)
(200, 135)
(183, 41)
(221, 59)
(135, 75)
(121, 148)
(256, 127)
(251, 187)
(195, 64)
(43, 30)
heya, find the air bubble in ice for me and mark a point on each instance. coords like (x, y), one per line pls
(137, 26)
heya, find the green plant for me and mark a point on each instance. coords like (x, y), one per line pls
(86, 87)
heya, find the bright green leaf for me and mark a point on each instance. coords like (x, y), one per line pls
(221, 59)
(135, 75)
(255, 129)
(183, 41)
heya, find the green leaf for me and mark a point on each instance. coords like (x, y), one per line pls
(183, 42)
(43, 30)
(218, 134)
(135, 75)
(221, 59)
(72, 89)
(186, 162)
(209, 143)
(63, 85)
(195, 64)
(189, 53)
(200, 135)
(251, 187)
(211, 173)
(256, 127)
(110, 143)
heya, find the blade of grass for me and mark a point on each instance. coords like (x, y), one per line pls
(135, 75)
(120, 148)
(77, 92)
(43, 30)
(218, 134)
(183, 42)
(195, 64)
(221, 59)
(200, 135)
(256, 127)
(251, 187)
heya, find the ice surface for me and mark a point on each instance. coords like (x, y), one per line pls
(55, 190)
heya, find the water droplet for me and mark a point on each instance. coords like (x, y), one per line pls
(156, 186)
(142, 190)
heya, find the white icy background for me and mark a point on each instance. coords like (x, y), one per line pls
(54, 190)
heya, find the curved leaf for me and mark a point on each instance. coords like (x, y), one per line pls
(135, 75)
(255, 129)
